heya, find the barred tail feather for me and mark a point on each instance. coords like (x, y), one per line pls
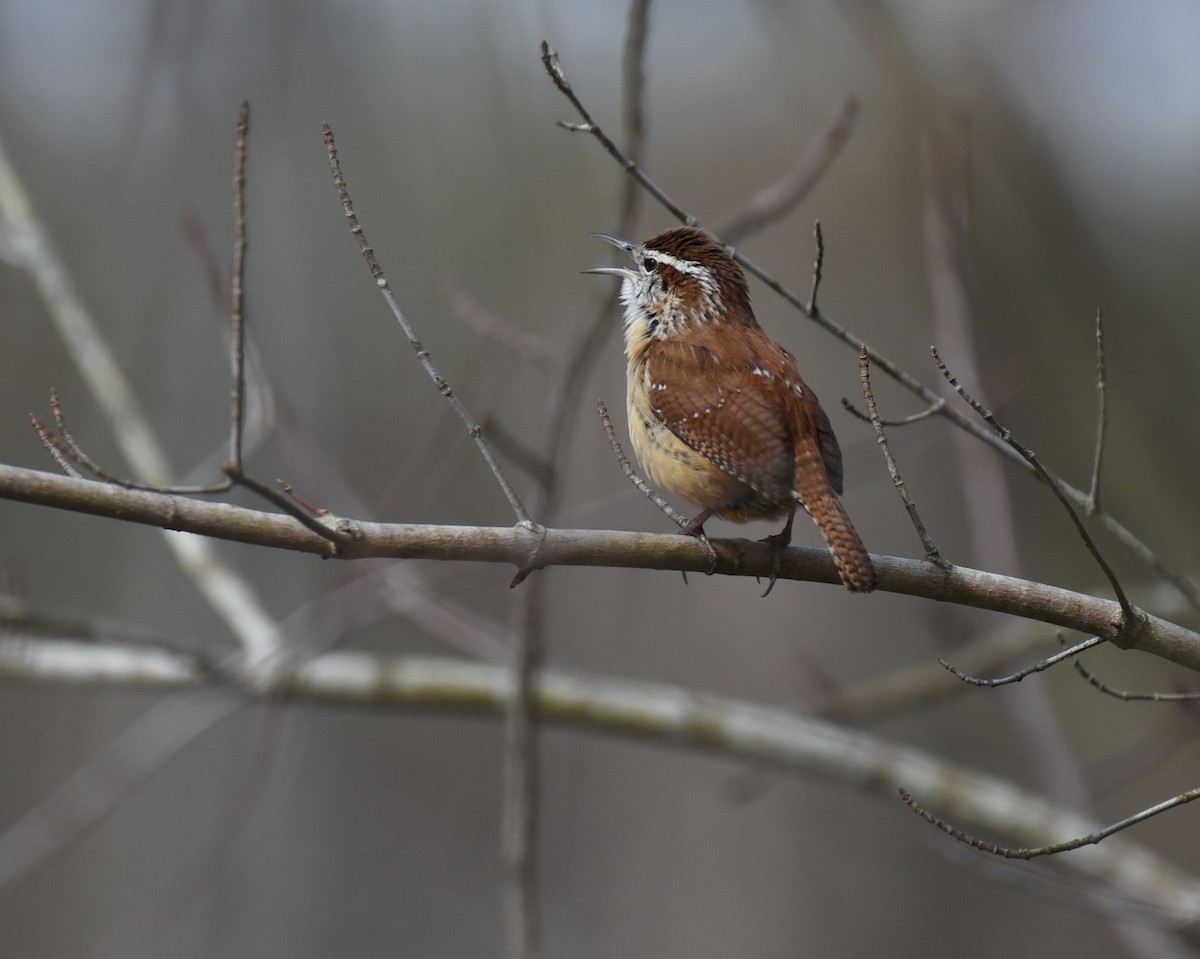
(853, 563)
(818, 498)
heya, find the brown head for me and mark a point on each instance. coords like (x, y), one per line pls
(681, 277)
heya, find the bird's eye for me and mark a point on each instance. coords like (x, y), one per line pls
(650, 264)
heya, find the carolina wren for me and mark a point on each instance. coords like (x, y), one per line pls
(718, 412)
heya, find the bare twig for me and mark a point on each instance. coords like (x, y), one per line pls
(818, 264)
(1028, 671)
(931, 550)
(423, 356)
(645, 490)
(519, 453)
(782, 196)
(324, 524)
(237, 292)
(931, 410)
(925, 682)
(631, 474)
(1093, 499)
(988, 417)
(568, 387)
(66, 451)
(1054, 848)
(554, 68)
(260, 400)
(54, 446)
(1154, 697)
(74, 460)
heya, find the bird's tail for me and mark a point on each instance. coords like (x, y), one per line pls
(853, 563)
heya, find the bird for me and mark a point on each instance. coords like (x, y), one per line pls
(718, 412)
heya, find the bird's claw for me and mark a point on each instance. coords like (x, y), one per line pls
(697, 532)
(780, 541)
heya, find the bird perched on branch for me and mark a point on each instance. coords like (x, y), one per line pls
(718, 412)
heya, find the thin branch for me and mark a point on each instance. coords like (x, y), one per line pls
(774, 201)
(818, 264)
(323, 523)
(568, 387)
(64, 447)
(519, 453)
(259, 398)
(911, 688)
(631, 474)
(69, 454)
(931, 550)
(237, 294)
(1129, 612)
(932, 410)
(650, 494)
(1127, 696)
(1093, 499)
(73, 460)
(54, 446)
(423, 356)
(1188, 588)
(1054, 848)
(554, 68)
(1038, 667)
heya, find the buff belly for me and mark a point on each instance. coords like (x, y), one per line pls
(675, 466)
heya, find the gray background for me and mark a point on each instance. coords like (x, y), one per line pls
(314, 832)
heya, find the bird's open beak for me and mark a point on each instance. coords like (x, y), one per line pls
(622, 272)
(617, 242)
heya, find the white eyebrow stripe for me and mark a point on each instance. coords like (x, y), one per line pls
(690, 267)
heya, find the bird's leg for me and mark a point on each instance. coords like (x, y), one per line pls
(695, 527)
(780, 540)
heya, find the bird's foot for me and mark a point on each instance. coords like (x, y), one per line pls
(780, 541)
(696, 530)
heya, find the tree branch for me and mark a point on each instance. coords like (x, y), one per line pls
(674, 716)
(565, 547)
